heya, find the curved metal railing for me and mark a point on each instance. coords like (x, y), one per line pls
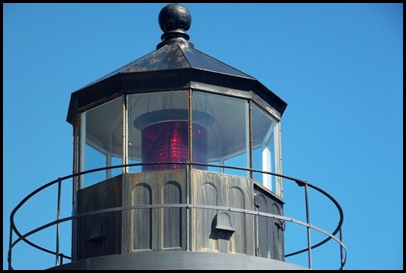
(59, 257)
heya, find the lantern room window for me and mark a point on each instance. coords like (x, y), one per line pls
(266, 153)
(159, 126)
(228, 136)
(158, 129)
(100, 141)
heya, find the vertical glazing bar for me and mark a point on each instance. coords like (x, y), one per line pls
(58, 216)
(247, 138)
(250, 138)
(75, 186)
(188, 170)
(108, 162)
(82, 149)
(308, 228)
(75, 162)
(125, 134)
(251, 160)
(187, 207)
(190, 119)
(278, 159)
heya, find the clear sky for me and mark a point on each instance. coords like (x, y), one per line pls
(338, 66)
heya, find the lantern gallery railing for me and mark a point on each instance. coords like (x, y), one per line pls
(59, 258)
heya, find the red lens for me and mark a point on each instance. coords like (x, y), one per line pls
(168, 142)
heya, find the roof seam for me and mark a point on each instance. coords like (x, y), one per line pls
(183, 53)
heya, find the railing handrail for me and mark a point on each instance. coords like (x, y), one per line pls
(59, 180)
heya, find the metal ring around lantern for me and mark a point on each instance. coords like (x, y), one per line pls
(164, 115)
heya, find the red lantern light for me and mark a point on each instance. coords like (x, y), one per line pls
(168, 141)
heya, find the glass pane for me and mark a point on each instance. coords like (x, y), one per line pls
(265, 148)
(158, 130)
(114, 162)
(103, 127)
(227, 131)
(94, 160)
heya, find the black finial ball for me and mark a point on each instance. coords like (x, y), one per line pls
(173, 17)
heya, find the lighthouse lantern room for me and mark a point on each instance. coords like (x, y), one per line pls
(177, 165)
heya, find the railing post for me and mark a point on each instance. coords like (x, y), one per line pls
(58, 216)
(10, 246)
(308, 228)
(341, 248)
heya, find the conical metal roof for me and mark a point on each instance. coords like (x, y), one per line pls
(176, 56)
(175, 64)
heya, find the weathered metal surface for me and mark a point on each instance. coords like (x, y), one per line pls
(100, 234)
(270, 231)
(165, 228)
(154, 229)
(219, 231)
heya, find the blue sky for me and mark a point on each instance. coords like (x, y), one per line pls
(338, 66)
